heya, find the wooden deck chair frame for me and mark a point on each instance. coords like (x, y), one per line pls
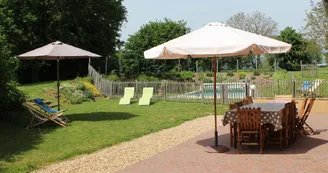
(39, 116)
(301, 122)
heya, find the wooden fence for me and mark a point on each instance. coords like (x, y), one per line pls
(203, 92)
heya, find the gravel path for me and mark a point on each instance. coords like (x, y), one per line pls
(114, 158)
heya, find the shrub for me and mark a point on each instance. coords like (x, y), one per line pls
(112, 77)
(230, 74)
(242, 75)
(220, 77)
(253, 77)
(80, 86)
(92, 89)
(207, 80)
(186, 75)
(209, 74)
(172, 75)
(78, 92)
(256, 73)
(147, 78)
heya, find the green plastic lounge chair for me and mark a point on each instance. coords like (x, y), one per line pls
(147, 94)
(43, 113)
(128, 94)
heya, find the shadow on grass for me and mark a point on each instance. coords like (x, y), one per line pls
(300, 146)
(100, 116)
(16, 139)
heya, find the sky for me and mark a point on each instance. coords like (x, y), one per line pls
(197, 13)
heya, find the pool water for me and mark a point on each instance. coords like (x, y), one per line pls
(232, 92)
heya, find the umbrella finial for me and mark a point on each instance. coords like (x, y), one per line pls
(215, 24)
(57, 43)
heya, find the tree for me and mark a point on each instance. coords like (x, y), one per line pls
(151, 34)
(316, 27)
(255, 22)
(91, 25)
(302, 49)
(10, 96)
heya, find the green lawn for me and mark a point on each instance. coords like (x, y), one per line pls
(94, 125)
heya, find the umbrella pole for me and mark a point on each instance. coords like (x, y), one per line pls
(216, 148)
(58, 83)
(214, 91)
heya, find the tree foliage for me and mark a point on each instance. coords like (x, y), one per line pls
(10, 96)
(93, 25)
(316, 27)
(302, 49)
(255, 22)
(151, 34)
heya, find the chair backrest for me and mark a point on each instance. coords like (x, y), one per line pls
(239, 104)
(286, 119)
(292, 111)
(247, 100)
(233, 106)
(147, 92)
(305, 86)
(315, 85)
(306, 112)
(249, 119)
(42, 105)
(40, 115)
(302, 108)
(129, 92)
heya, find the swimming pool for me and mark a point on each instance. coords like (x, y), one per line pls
(232, 92)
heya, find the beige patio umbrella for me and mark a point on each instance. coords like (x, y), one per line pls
(57, 51)
(216, 40)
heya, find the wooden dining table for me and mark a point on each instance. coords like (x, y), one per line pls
(271, 114)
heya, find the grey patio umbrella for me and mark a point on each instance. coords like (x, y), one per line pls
(57, 51)
(216, 40)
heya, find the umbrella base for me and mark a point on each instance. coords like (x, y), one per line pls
(217, 149)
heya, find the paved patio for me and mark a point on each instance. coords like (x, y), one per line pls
(307, 154)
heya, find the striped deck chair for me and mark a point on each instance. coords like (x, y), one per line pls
(43, 113)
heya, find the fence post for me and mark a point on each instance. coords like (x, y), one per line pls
(136, 91)
(294, 88)
(202, 91)
(247, 88)
(165, 89)
(278, 88)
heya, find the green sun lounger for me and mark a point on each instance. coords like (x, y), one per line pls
(128, 94)
(147, 94)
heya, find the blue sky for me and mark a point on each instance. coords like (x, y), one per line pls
(200, 12)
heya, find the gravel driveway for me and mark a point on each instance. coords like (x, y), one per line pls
(114, 158)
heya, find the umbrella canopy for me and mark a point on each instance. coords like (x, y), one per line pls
(57, 50)
(216, 39)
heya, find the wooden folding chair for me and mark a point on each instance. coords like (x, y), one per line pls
(303, 106)
(288, 122)
(248, 100)
(293, 119)
(249, 124)
(40, 116)
(301, 120)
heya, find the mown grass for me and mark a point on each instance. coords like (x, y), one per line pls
(93, 126)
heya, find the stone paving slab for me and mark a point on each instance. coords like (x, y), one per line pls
(307, 154)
